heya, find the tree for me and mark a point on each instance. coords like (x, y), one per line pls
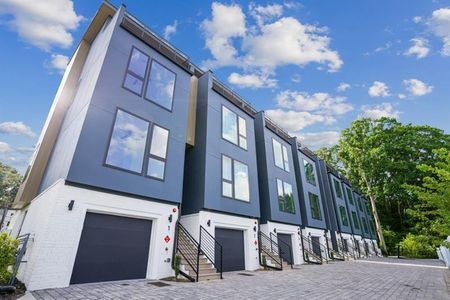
(331, 157)
(380, 156)
(10, 181)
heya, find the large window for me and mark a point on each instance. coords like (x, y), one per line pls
(158, 152)
(372, 227)
(128, 143)
(343, 212)
(280, 154)
(161, 85)
(234, 128)
(350, 196)
(137, 66)
(309, 172)
(285, 197)
(315, 206)
(358, 199)
(364, 222)
(355, 220)
(235, 179)
(337, 188)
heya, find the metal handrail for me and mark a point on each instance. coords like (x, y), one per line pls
(286, 244)
(206, 237)
(323, 252)
(306, 242)
(185, 244)
(272, 251)
(21, 250)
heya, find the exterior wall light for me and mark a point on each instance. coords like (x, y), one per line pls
(254, 228)
(208, 223)
(70, 206)
(275, 230)
(170, 218)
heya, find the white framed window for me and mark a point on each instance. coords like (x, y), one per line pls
(280, 155)
(235, 182)
(234, 128)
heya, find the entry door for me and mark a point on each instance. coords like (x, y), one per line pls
(112, 248)
(285, 243)
(315, 241)
(233, 254)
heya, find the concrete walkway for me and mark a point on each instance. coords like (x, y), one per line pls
(376, 278)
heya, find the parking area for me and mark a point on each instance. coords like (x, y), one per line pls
(376, 278)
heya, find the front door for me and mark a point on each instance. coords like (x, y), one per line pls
(285, 243)
(315, 242)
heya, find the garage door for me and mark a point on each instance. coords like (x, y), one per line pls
(112, 248)
(315, 243)
(285, 243)
(232, 241)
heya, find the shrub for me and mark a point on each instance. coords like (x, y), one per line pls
(417, 246)
(8, 248)
(177, 266)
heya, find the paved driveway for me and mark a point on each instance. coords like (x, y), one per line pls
(378, 278)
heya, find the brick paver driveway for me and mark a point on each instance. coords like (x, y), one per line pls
(377, 278)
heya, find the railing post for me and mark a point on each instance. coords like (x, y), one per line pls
(221, 263)
(198, 253)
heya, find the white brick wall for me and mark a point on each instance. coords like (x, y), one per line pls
(56, 232)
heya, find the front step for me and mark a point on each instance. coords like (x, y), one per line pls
(206, 277)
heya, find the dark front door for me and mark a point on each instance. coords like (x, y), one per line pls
(285, 243)
(232, 241)
(112, 248)
(315, 242)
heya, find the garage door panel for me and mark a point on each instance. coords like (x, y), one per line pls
(233, 255)
(112, 248)
(286, 246)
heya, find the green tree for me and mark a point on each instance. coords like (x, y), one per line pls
(10, 181)
(380, 156)
(331, 157)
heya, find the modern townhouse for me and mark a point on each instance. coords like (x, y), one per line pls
(221, 195)
(102, 193)
(353, 214)
(279, 198)
(315, 232)
(365, 233)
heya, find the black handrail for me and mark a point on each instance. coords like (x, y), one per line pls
(322, 248)
(308, 252)
(209, 245)
(22, 248)
(271, 249)
(281, 251)
(185, 244)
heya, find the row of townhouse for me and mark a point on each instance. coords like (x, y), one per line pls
(145, 157)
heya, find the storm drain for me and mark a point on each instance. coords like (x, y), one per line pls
(158, 283)
(246, 274)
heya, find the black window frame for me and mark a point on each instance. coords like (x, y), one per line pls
(238, 134)
(313, 173)
(355, 220)
(320, 218)
(350, 195)
(285, 160)
(343, 214)
(148, 81)
(284, 196)
(156, 157)
(232, 181)
(127, 71)
(338, 184)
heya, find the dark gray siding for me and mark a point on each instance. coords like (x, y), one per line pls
(268, 174)
(88, 163)
(340, 202)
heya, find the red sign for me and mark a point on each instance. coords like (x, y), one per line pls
(167, 238)
(256, 242)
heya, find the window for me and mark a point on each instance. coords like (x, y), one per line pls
(280, 155)
(372, 227)
(366, 229)
(343, 212)
(337, 188)
(137, 66)
(355, 220)
(358, 199)
(161, 85)
(127, 144)
(234, 128)
(350, 196)
(235, 179)
(285, 197)
(315, 206)
(158, 152)
(309, 172)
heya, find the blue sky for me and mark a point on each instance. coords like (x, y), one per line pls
(313, 66)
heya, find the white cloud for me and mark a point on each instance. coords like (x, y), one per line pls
(401, 96)
(44, 23)
(5, 147)
(15, 157)
(417, 19)
(420, 48)
(379, 89)
(58, 62)
(292, 120)
(16, 128)
(319, 139)
(296, 78)
(320, 102)
(343, 87)
(252, 80)
(170, 30)
(275, 41)
(378, 111)
(440, 26)
(416, 87)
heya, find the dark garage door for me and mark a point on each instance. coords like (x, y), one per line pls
(315, 243)
(112, 248)
(285, 243)
(232, 242)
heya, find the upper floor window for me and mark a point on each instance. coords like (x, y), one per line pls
(364, 222)
(161, 85)
(285, 197)
(309, 172)
(350, 196)
(355, 219)
(128, 143)
(137, 66)
(235, 182)
(337, 188)
(315, 206)
(344, 218)
(280, 155)
(358, 200)
(372, 227)
(234, 128)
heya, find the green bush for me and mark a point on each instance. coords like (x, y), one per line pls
(177, 266)
(417, 246)
(8, 248)
(391, 239)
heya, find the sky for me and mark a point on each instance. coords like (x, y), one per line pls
(313, 66)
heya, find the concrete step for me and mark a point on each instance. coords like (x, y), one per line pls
(205, 277)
